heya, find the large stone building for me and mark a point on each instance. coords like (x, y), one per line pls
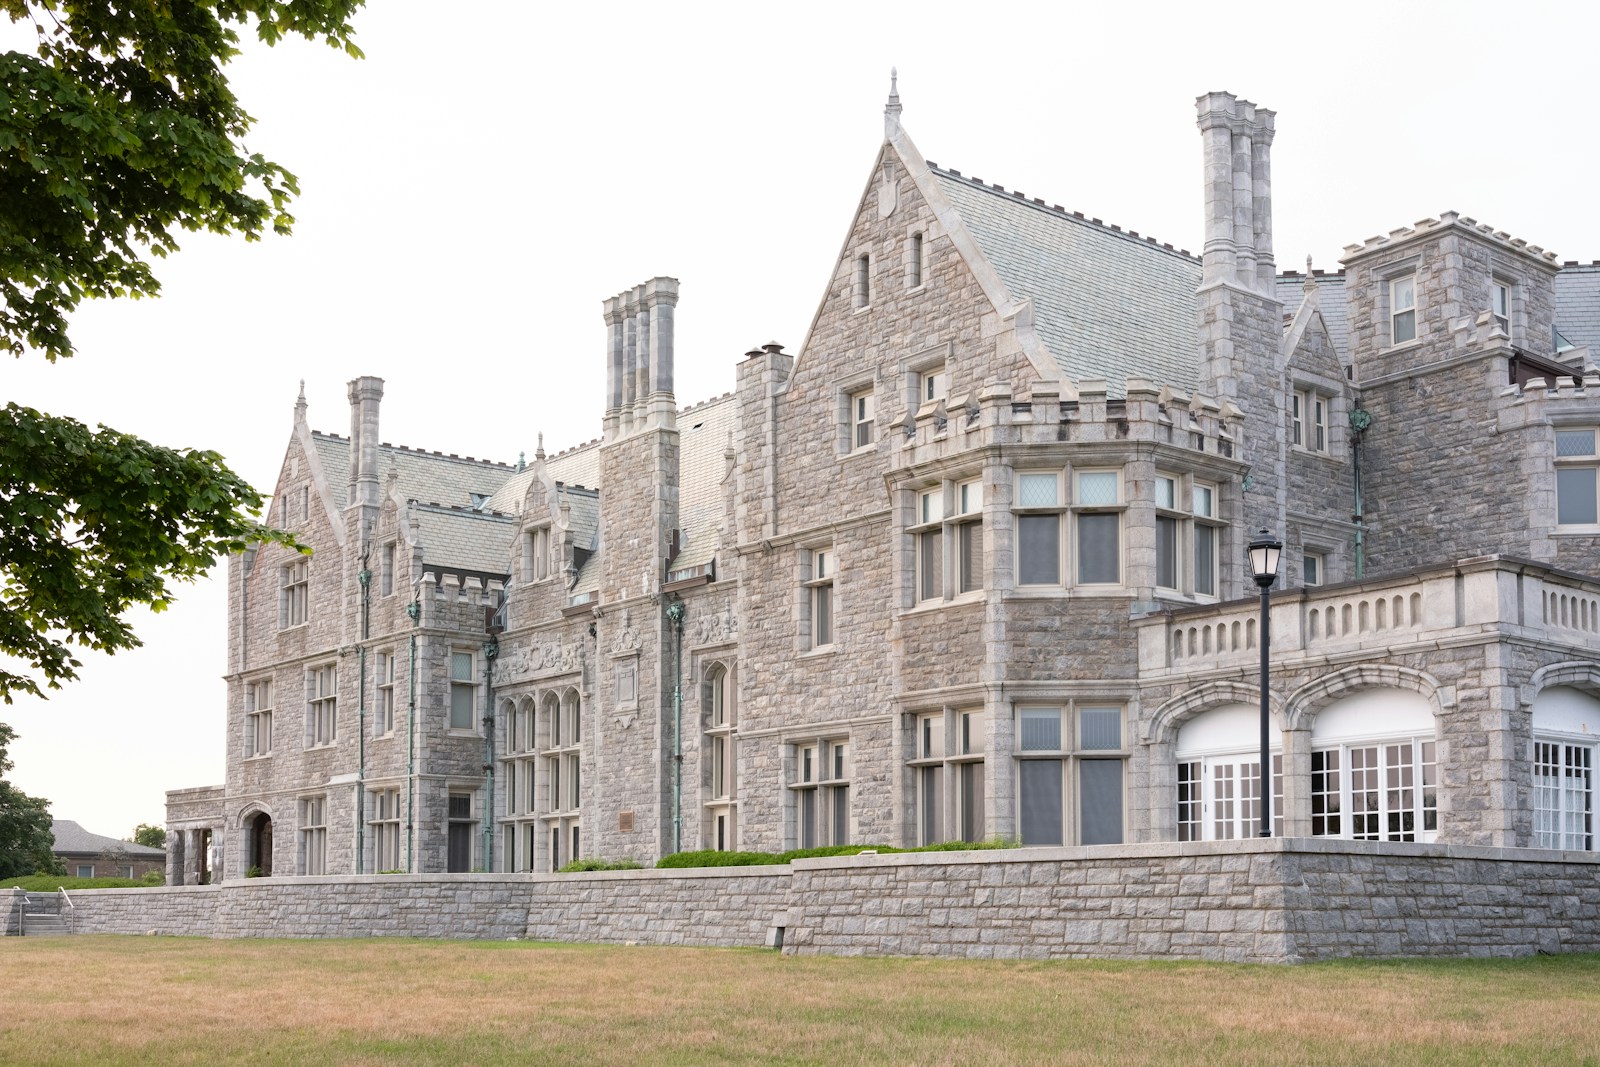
(969, 564)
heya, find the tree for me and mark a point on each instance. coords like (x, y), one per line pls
(26, 842)
(149, 836)
(120, 129)
(118, 132)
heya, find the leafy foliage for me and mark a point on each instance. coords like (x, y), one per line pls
(149, 836)
(712, 858)
(578, 866)
(93, 522)
(49, 883)
(122, 129)
(25, 837)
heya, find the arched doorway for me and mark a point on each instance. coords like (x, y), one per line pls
(259, 829)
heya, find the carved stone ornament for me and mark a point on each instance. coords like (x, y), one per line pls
(715, 628)
(544, 657)
(627, 640)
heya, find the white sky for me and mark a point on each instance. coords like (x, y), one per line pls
(479, 183)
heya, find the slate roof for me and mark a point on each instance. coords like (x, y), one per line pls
(463, 537)
(1330, 301)
(1107, 302)
(1578, 304)
(703, 441)
(430, 477)
(70, 837)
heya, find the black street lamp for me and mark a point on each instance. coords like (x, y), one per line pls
(1264, 553)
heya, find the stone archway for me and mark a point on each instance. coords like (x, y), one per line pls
(258, 832)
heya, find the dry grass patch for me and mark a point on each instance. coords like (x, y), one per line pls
(172, 1000)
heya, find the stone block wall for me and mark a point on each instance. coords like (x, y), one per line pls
(1272, 901)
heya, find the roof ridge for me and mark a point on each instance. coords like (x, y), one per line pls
(994, 188)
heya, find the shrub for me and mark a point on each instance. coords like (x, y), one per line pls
(49, 883)
(253, 872)
(710, 858)
(578, 866)
(154, 878)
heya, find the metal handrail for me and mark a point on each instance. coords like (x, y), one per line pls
(72, 916)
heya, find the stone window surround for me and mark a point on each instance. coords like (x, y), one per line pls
(294, 593)
(1071, 753)
(1319, 555)
(818, 602)
(258, 718)
(1589, 462)
(311, 815)
(1186, 519)
(383, 716)
(916, 258)
(819, 789)
(949, 524)
(322, 705)
(1069, 562)
(1386, 276)
(948, 742)
(934, 358)
(847, 392)
(460, 687)
(720, 765)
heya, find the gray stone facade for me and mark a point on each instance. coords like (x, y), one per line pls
(970, 564)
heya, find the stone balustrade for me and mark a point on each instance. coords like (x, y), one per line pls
(1490, 594)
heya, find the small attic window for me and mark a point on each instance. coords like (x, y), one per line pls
(478, 500)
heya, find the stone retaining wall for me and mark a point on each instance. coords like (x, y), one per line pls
(1262, 901)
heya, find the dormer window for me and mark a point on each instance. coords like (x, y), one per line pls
(478, 500)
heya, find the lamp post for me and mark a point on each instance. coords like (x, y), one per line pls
(1264, 553)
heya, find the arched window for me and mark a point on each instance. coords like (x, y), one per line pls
(561, 727)
(521, 795)
(1219, 776)
(1565, 751)
(719, 766)
(1374, 767)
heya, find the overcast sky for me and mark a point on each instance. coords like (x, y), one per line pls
(476, 186)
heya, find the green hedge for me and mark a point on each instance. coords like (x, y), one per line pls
(49, 883)
(578, 866)
(711, 858)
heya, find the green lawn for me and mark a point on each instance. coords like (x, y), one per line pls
(181, 1001)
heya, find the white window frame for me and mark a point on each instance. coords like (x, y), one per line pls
(294, 595)
(819, 787)
(1022, 509)
(383, 716)
(258, 718)
(933, 383)
(1574, 469)
(947, 771)
(313, 834)
(721, 775)
(384, 804)
(1564, 791)
(560, 798)
(1083, 513)
(1501, 302)
(322, 705)
(1403, 316)
(1383, 761)
(463, 691)
(1187, 507)
(1079, 739)
(862, 419)
(820, 597)
(1219, 797)
(1313, 567)
(1309, 421)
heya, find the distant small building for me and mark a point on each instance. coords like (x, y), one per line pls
(89, 855)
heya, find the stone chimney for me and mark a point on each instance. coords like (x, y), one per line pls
(365, 394)
(1238, 185)
(639, 358)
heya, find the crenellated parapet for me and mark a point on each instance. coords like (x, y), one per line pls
(454, 599)
(992, 414)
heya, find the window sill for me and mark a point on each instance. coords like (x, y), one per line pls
(974, 596)
(819, 653)
(321, 746)
(1576, 531)
(857, 453)
(1302, 450)
(258, 757)
(294, 626)
(1403, 346)
(454, 732)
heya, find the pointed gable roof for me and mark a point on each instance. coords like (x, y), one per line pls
(1106, 303)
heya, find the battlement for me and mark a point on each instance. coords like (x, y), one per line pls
(992, 415)
(1449, 220)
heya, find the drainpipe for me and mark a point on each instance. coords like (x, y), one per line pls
(491, 649)
(365, 578)
(1360, 419)
(414, 613)
(675, 612)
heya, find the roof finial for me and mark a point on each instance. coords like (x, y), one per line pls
(300, 404)
(1309, 284)
(891, 110)
(522, 462)
(538, 453)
